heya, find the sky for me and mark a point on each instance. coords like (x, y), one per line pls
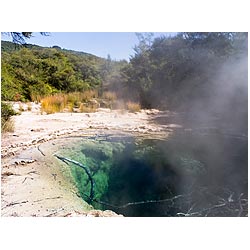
(119, 45)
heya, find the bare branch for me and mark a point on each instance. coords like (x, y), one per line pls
(91, 196)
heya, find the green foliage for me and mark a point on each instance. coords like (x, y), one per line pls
(32, 72)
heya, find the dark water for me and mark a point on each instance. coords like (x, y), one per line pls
(189, 174)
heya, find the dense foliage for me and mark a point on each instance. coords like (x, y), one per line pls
(173, 71)
(30, 72)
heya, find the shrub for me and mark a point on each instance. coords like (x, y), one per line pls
(7, 124)
(133, 106)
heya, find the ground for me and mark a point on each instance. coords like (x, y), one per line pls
(34, 182)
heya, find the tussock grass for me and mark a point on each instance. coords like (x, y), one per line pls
(133, 106)
(110, 96)
(53, 104)
(29, 106)
(60, 102)
(21, 108)
(88, 95)
(36, 98)
(7, 125)
(86, 109)
(76, 98)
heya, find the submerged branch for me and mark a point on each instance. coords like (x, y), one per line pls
(138, 202)
(228, 204)
(66, 160)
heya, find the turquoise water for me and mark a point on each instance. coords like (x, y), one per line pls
(182, 176)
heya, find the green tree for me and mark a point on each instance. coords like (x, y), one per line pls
(138, 73)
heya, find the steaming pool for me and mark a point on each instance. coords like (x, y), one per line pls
(183, 175)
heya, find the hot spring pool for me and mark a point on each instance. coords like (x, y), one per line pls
(180, 176)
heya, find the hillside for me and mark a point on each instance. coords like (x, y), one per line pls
(30, 72)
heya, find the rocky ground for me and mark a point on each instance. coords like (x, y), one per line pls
(33, 182)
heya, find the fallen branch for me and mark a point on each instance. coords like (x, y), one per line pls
(33, 172)
(55, 212)
(40, 150)
(27, 178)
(65, 160)
(14, 203)
(138, 202)
(49, 198)
(8, 173)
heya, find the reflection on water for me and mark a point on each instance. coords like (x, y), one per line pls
(190, 174)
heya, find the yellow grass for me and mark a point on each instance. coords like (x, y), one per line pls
(111, 96)
(133, 106)
(88, 95)
(36, 98)
(53, 104)
(59, 102)
(85, 109)
(77, 97)
(29, 108)
(7, 126)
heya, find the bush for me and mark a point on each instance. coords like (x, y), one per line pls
(7, 124)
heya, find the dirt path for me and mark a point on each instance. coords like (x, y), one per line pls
(33, 182)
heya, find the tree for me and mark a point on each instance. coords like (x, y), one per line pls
(182, 72)
(137, 74)
(21, 37)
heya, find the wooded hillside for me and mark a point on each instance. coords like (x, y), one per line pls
(30, 72)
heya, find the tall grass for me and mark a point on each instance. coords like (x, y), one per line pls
(133, 106)
(69, 102)
(53, 104)
(7, 124)
(86, 109)
(110, 96)
(76, 98)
